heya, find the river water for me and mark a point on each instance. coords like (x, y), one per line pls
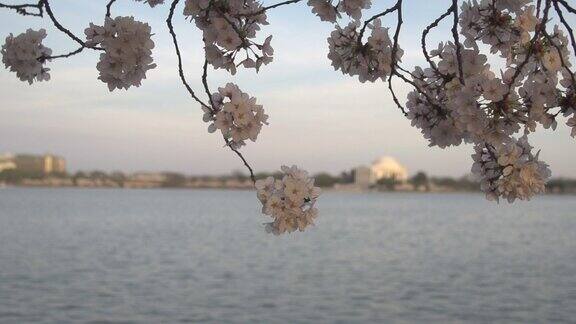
(187, 256)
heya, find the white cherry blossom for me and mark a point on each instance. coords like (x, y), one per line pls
(128, 51)
(236, 115)
(290, 201)
(25, 55)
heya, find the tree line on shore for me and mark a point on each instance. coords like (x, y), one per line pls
(420, 181)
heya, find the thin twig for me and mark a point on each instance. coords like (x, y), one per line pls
(74, 52)
(425, 34)
(177, 48)
(382, 14)
(264, 9)
(519, 68)
(246, 164)
(205, 84)
(63, 29)
(566, 25)
(457, 40)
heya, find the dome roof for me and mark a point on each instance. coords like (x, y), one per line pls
(388, 167)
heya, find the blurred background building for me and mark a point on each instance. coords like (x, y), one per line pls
(33, 164)
(381, 170)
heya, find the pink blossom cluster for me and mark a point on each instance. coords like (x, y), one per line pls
(289, 201)
(229, 30)
(236, 115)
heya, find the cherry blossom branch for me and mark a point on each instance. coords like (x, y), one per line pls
(264, 9)
(490, 112)
(394, 53)
(205, 84)
(531, 46)
(64, 30)
(179, 55)
(457, 40)
(396, 34)
(566, 25)
(23, 9)
(567, 6)
(396, 7)
(246, 164)
(228, 142)
(395, 98)
(562, 61)
(425, 33)
(74, 52)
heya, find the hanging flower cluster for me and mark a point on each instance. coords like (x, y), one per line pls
(25, 55)
(464, 100)
(327, 11)
(370, 61)
(500, 24)
(290, 200)
(236, 115)
(229, 28)
(510, 171)
(128, 51)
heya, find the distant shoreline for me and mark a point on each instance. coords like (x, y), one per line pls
(331, 190)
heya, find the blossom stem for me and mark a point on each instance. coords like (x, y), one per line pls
(457, 40)
(264, 9)
(425, 33)
(178, 54)
(63, 29)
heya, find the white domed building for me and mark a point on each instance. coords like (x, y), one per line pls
(388, 168)
(384, 168)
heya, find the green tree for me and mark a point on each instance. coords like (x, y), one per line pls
(174, 180)
(388, 183)
(420, 180)
(325, 180)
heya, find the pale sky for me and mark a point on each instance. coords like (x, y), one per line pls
(319, 119)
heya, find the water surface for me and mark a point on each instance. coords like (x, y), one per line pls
(169, 256)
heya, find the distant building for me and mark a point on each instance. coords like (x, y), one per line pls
(43, 164)
(363, 177)
(28, 163)
(388, 168)
(7, 162)
(383, 168)
(145, 180)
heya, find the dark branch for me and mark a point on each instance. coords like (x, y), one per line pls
(74, 52)
(205, 84)
(425, 34)
(566, 25)
(63, 29)
(109, 7)
(177, 48)
(567, 6)
(252, 177)
(23, 9)
(531, 46)
(457, 40)
(264, 9)
(382, 14)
